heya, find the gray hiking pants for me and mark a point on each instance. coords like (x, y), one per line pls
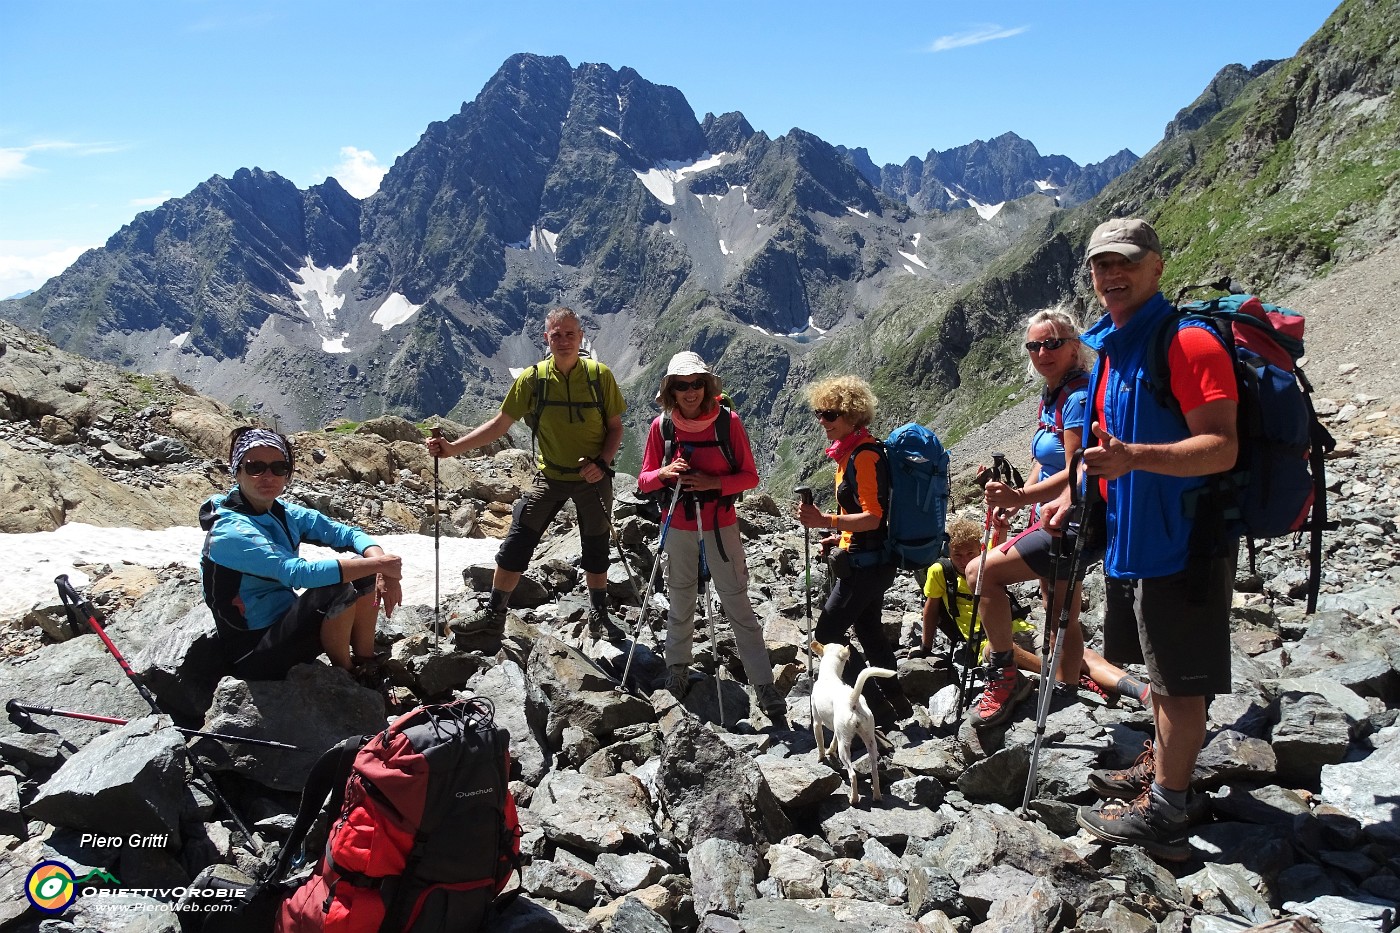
(730, 578)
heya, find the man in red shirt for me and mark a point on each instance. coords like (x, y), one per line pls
(1169, 584)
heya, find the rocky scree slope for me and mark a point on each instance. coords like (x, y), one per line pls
(641, 813)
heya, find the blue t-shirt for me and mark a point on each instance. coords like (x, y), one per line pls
(1048, 444)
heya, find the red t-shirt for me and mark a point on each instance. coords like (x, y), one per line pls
(1201, 371)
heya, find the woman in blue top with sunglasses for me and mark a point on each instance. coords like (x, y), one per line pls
(1061, 361)
(252, 570)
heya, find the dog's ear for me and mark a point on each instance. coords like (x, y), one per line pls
(817, 648)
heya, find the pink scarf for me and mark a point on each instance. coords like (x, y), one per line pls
(697, 425)
(842, 448)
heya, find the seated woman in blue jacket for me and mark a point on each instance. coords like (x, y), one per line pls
(252, 571)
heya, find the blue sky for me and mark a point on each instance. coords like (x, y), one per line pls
(108, 107)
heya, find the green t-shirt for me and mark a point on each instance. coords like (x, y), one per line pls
(570, 425)
(936, 587)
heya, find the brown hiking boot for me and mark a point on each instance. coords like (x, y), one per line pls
(1147, 821)
(1126, 783)
(999, 697)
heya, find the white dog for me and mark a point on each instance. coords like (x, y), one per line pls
(844, 711)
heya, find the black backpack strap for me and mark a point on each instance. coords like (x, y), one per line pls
(1321, 444)
(327, 779)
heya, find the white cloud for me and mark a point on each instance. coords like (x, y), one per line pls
(13, 164)
(976, 36)
(14, 160)
(358, 172)
(27, 264)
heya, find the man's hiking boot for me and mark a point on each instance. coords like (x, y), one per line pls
(771, 702)
(600, 626)
(1125, 783)
(1147, 821)
(678, 680)
(1130, 782)
(999, 698)
(485, 621)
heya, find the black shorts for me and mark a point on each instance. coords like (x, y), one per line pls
(1035, 545)
(296, 637)
(1178, 625)
(536, 508)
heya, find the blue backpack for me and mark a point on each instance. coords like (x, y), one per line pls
(918, 509)
(1278, 485)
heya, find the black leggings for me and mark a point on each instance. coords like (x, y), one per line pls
(855, 605)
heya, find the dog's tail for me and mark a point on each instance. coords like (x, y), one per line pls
(865, 675)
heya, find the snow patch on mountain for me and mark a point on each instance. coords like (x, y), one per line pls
(661, 179)
(395, 310)
(985, 211)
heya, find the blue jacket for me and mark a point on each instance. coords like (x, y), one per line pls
(1148, 530)
(250, 565)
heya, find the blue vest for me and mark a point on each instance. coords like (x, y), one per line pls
(1148, 530)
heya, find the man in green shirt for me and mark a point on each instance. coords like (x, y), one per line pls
(574, 409)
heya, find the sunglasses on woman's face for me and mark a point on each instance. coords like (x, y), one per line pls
(688, 386)
(1054, 343)
(258, 467)
(826, 414)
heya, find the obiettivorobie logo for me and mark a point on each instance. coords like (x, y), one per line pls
(51, 887)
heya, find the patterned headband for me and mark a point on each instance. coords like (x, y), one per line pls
(258, 437)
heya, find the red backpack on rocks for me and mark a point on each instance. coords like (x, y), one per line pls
(426, 834)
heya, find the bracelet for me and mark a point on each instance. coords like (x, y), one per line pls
(833, 522)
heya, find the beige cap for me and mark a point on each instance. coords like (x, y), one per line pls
(1127, 236)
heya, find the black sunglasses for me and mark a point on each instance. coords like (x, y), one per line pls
(826, 414)
(258, 468)
(687, 386)
(1054, 343)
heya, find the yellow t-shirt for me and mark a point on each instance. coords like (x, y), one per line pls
(936, 587)
(571, 426)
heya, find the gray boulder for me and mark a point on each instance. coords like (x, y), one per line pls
(314, 708)
(131, 780)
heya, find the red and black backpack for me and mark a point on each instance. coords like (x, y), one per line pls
(425, 833)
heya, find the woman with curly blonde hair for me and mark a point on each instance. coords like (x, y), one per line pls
(845, 407)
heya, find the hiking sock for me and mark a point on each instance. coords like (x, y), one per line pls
(598, 599)
(499, 599)
(1000, 660)
(1130, 686)
(1176, 798)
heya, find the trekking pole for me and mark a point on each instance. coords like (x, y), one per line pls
(77, 608)
(651, 584)
(1003, 471)
(20, 714)
(805, 494)
(437, 546)
(705, 601)
(617, 541)
(1079, 512)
